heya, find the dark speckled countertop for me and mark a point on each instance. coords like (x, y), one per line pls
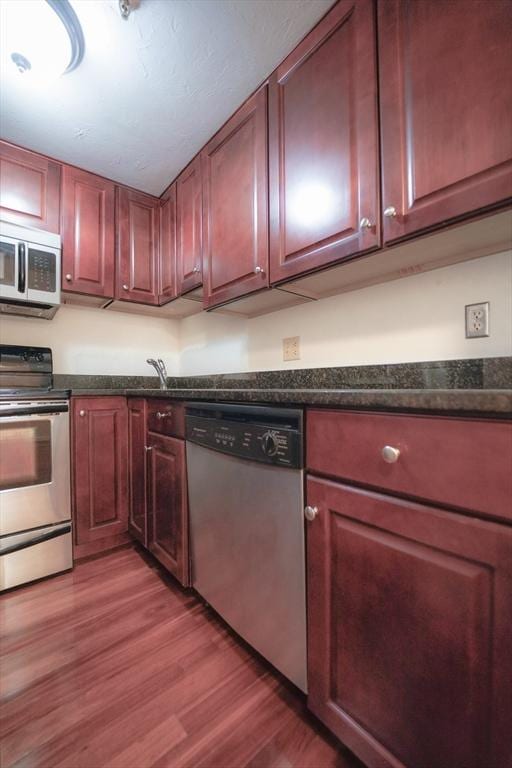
(481, 386)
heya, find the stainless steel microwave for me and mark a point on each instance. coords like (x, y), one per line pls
(30, 266)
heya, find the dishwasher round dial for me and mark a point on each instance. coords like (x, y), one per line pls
(269, 444)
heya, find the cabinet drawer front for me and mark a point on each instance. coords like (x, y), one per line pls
(166, 417)
(462, 463)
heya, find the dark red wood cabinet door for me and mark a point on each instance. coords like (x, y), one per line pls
(168, 287)
(446, 110)
(137, 247)
(137, 519)
(168, 515)
(189, 211)
(409, 616)
(235, 205)
(100, 464)
(323, 143)
(29, 188)
(88, 233)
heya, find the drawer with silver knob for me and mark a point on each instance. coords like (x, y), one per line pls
(166, 417)
(456, 462)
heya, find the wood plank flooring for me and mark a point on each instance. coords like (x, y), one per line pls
(114, 666)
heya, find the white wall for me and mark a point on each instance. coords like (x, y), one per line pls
(413, 319)
(98, 341)
(416, 318)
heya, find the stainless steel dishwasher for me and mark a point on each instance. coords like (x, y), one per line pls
(245, 484)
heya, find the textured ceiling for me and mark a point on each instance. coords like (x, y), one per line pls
(151, 90)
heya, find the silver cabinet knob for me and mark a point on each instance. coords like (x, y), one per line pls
(390, 454)
(82, 413)
(390, 212)
(259, 270)
(148, 448)
(310, 513)
(69, 277)
(365, 223)
(125, 287)
(163, 415)
(196, 269)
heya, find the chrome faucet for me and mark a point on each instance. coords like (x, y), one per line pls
(159, 367)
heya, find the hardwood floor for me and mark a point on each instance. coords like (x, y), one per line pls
(114, 665)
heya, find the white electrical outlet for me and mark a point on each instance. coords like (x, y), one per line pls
(291, 348)
(477, 320)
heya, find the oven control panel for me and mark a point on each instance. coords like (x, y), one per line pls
(267, 443)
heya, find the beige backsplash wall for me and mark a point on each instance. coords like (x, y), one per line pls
(98, 341)
(412, 319)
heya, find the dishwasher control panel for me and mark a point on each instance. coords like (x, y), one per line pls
(271, 436)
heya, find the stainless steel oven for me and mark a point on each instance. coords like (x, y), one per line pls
(30, 269)
(35, 504)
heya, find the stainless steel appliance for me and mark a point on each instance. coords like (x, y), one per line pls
(30, 265)
(245, 484)
(35, 505)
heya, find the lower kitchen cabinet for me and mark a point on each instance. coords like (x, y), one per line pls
(158, 508)
(137, 517)
(167, 504)
(100, 472)
(409, 611)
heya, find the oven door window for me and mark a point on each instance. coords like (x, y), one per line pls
(25, 453)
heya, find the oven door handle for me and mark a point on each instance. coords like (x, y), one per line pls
(22, 267)
(59, 530)
(33, 410)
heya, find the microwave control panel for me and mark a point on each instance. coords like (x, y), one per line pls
(41, 270)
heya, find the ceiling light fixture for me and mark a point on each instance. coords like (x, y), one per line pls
(43, 37)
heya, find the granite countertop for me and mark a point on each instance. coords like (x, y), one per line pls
(452, 386)
(469, 401)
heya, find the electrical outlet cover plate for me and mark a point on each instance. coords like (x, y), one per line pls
(477, 320)
(291, 348)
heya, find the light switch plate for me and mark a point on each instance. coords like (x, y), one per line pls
(477, 320)
(291, 348)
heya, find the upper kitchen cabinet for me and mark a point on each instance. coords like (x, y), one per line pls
(88, 233)
(29, 188)
(137, 246)
(446, 111)
(235, 218)
(168, 288)
(189, 257)
(323, 134)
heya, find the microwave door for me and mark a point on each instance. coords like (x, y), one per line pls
(13, 269)
(43, 274)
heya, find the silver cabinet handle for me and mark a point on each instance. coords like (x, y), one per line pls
(259, 270)
(365, 223)
(82, 413)
(390, 454)
(148, 448)
(69, 277)
(196, 269)
(125, 287)
(310, 513)
(163, 415)
(390, 212)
